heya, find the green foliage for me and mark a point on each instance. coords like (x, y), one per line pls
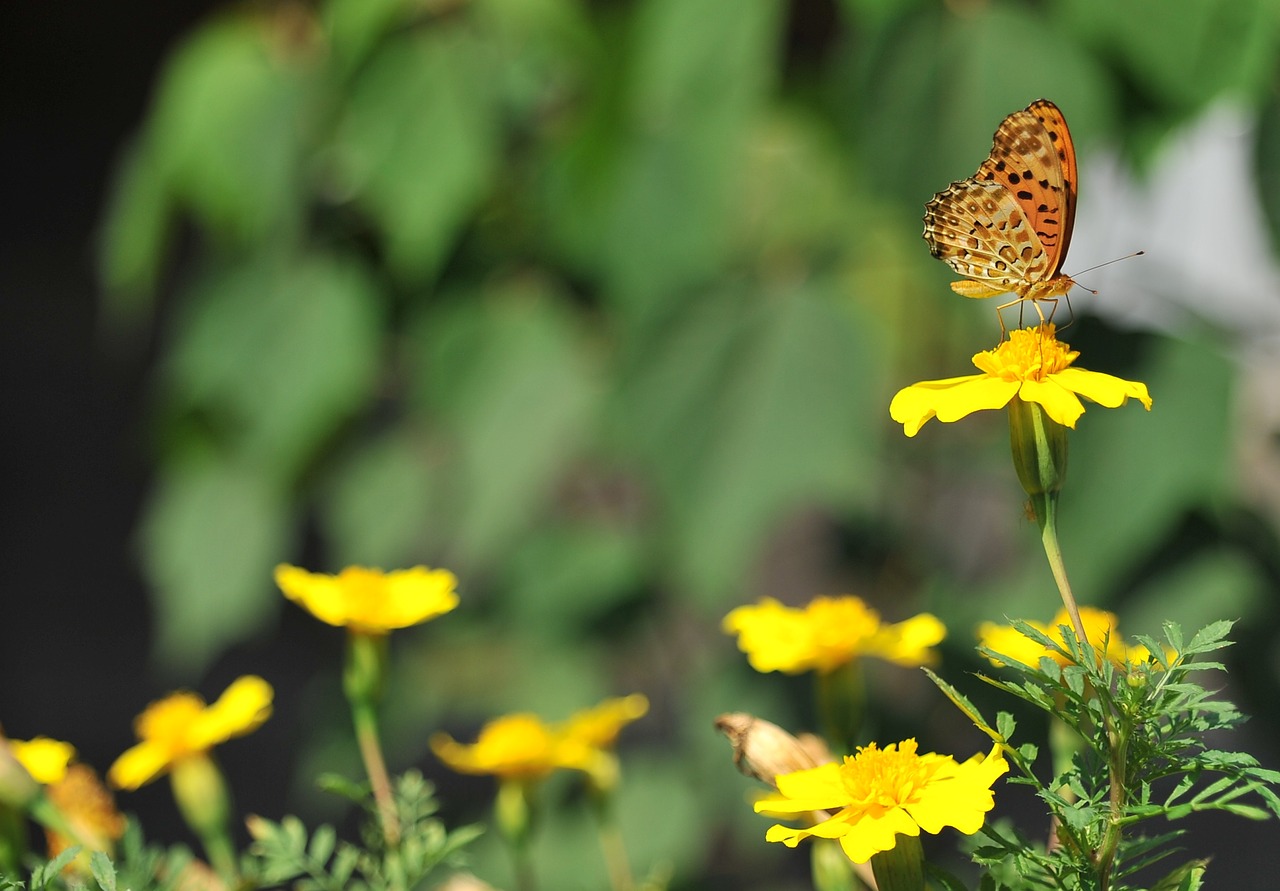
(137, 866)
(285, 852)
(1142, 733)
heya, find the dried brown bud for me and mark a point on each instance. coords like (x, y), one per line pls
(763, 750)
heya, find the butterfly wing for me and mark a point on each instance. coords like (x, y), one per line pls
(980, 230)
(1033, 158)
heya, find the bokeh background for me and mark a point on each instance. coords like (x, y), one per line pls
(601, 305)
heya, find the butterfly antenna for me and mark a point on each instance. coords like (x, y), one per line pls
(1108, 263)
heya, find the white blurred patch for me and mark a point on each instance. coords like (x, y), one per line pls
(1209, 269)
(1208, 256)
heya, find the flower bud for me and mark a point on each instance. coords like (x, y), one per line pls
(764, 750)
(1039, 449)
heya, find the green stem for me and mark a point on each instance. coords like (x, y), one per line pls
(841, 699)
(515, 812)
(615, 856)
(202, 796)
(366, 725)
(1117, 757)
(1046, 508)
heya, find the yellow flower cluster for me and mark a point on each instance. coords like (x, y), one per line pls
(827, 633)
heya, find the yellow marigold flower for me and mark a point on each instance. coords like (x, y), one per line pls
(1099, 625)
(1033, 366)
(828, 633)
(879, 794)
(181, 725)
(522, 746)
(45, 759)
(370, 600)
(518, 746)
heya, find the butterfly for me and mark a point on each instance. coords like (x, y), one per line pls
(1007, 227)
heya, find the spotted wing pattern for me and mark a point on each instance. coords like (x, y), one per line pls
(1007, 227)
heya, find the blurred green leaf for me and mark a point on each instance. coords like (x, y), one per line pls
(564, 575)
(1131, 471)
(227, 128)
(419, 142)
(1194, 594)
(354, 28)
(509, 378)
(661, 201)
(211, 534)
(1182, 60)
(752, 406)
(932, 90)
(275, 355)
(134, 235)
(377, 505)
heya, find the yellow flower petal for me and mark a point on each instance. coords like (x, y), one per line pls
(181, 726)
(1107, 391)
(243, 708)
(370, 600)
(1058, 402)
(911, 642)
(138, 766)
(948, 400)
(45, 759)
(875, 833)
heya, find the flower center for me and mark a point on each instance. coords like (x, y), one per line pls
(1029, 354)
(885, 777)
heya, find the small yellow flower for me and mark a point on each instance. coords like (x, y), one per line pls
(518, 746)
(828, 633)
(879, 794)
(181, 726)
(522, 746)
(369, 600)
(45, 759)
(1099, 626)
(1033, 366)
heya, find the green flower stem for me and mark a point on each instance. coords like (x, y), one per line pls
(842, 699)
(832, 870)
(1039, 446)
(366, 724)
(1046, 508)
(202, 797)
(614, 850)
(902, 868)
(514, 811)
(1118, 756)
(13, 839)
(363, 681)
